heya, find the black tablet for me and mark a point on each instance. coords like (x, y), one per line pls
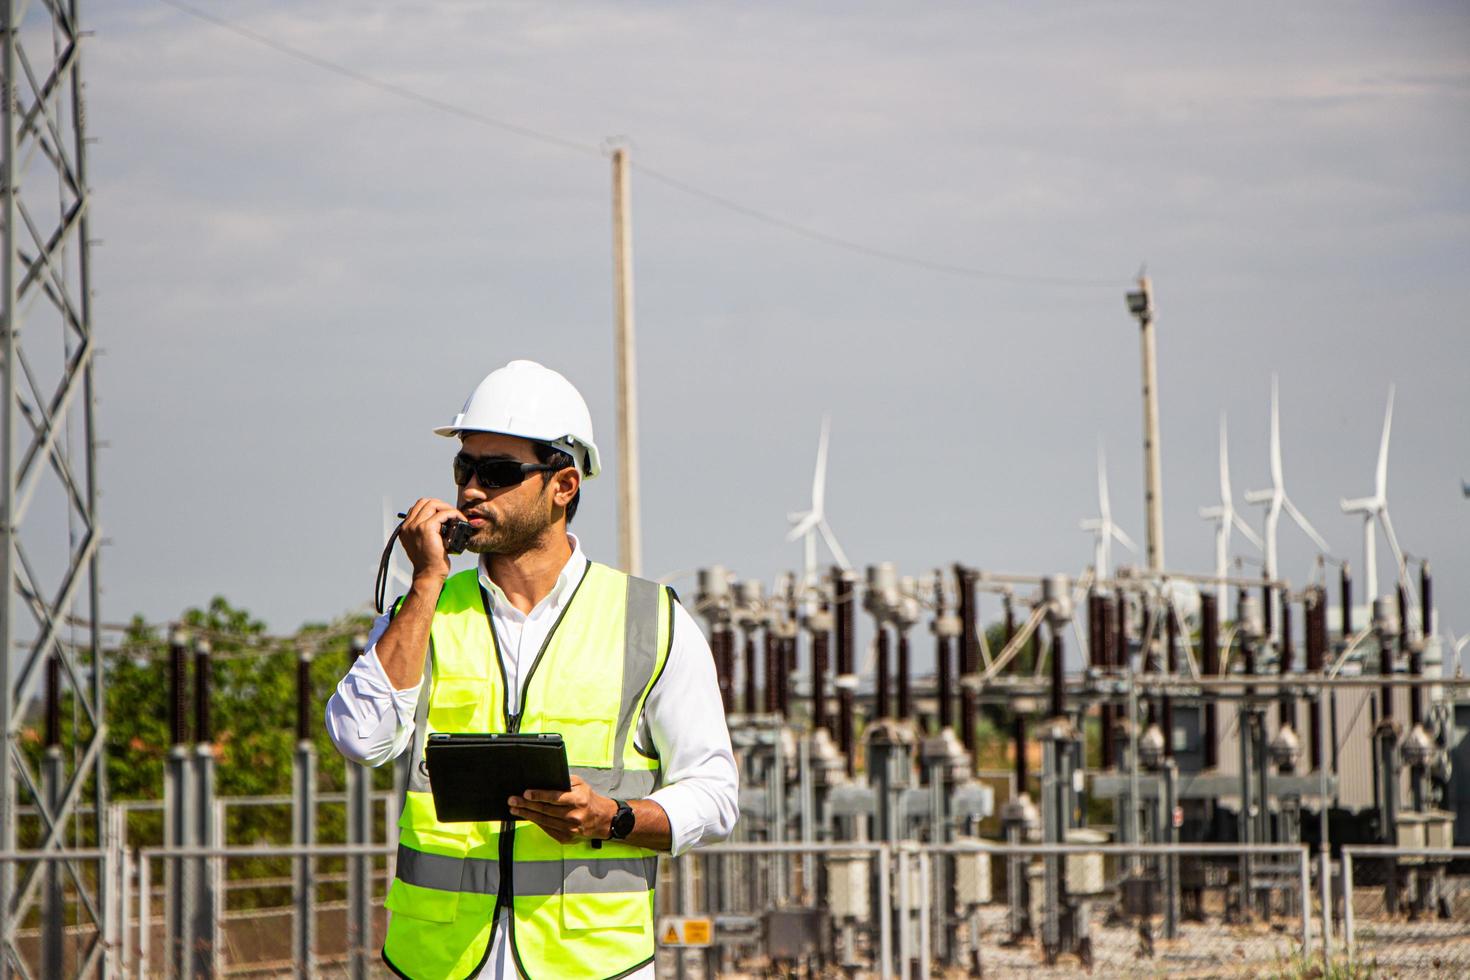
(473, 776)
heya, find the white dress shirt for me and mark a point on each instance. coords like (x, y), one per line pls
(371, 722)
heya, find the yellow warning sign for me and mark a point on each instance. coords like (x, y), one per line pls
(686, 931)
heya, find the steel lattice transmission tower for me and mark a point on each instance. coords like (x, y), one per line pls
(53, 789)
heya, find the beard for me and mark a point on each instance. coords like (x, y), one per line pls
(513, 534)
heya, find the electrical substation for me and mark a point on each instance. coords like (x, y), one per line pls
(945, 771)
(1185, 756)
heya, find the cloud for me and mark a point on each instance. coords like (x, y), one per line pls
(302, 272)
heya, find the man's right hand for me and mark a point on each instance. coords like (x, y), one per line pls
(423, 540)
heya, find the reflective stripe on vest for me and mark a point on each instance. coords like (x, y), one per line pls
(583, 876)
(577, 911)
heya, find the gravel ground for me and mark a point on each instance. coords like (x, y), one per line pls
(1420, 950)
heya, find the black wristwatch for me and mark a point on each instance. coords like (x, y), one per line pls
(622, 822)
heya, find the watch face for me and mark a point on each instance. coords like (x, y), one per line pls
(622, 822)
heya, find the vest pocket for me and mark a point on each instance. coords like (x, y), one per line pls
(585, 904)
(459, 705)
(588, 740)
(605, 911)
(428, 904)
(430, 876)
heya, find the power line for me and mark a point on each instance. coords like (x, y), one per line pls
(403, 92)
(668, 180)
(871, 251)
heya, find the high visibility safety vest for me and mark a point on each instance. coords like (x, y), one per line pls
(576, 910)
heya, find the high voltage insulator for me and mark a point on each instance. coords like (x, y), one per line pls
(179, 687)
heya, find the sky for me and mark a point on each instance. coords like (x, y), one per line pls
(301, 274)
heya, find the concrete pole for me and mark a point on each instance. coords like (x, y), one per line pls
(1140, 303)
(630, 540)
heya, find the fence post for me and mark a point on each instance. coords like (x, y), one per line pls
(145, 913)
(124, 901)
(905, 905)
(885, 921)
(360, 866)
(110, 870)
(926, 896)
(1349, 933)
(1325, 873)
(1305, 903)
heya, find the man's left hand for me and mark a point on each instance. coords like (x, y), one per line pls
(574, 814)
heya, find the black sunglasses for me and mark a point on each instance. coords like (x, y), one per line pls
(493, 472)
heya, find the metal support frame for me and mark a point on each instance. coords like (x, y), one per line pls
(208, 900)
(51, 603)
(360, 956)
(304, 888)
(180, 826)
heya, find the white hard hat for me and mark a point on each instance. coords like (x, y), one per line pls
(531, 401)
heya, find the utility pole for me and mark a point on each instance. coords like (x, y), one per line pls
(630, 539)
(1141, 305)
(49, 536)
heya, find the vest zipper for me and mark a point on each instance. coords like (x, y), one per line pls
(505, 896)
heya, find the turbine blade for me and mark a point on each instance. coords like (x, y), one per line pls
(1124, 539)
(1224, 463)
(819, 479)
(1102, 483)
(1275, 437)
(833, 546)
(1247, 530)
(1380, 484)
(807, 522)
(1400, 573)
(1305, 525)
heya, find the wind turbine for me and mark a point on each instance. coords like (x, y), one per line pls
(808, 524)
(1102, 526)
(1455, 647)
(1225, 514)
(1276, 499)
(1376, 508)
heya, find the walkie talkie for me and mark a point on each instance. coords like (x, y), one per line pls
(455, 533)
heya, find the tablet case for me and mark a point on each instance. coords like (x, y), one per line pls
(473, 776)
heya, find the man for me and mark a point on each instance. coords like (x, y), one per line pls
(536, 638)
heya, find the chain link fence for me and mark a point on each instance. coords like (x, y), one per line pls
(763, 909)
(60, 930)
(256, 911)
(1406, 911)
(998, 910)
